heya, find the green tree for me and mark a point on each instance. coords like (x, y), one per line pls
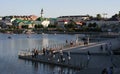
(52, 26)
(72, 24)
(39, 26)
(119, 14)
(98, 16)
(92, 25)
(25, 26)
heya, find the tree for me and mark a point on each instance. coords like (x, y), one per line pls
(39, 26)
(98, 16)
(51, 26)
(92, 25)
(119, 14)
(72, 24)
(25, 26)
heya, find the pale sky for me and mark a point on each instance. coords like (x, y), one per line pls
(56, 8)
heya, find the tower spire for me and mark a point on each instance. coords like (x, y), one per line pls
(41, 13)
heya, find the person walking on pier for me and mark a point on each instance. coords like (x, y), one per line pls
(66, 42)
(101, 47)
(44, 51)
(110, 70)
(88, 54)
(106, 47)
(69, 57)
(61, 56)
(104, 71)
(88, 57)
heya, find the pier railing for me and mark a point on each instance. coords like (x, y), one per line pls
(55, 48)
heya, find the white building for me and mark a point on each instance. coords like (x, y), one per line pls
(45, 23)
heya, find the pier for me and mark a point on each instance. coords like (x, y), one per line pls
(99, 54)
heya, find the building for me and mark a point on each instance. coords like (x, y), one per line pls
(30, 17)
(74, 18)
(20, 23)
(5, 23)
(0, 18)
(79, 19)
(53, 21)
(105, 25)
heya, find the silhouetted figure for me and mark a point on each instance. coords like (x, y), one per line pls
(66, 41)
(44, 51)
(110, 70)
(101, 47)
(88, 57)
(68, 55)
(106, 47)
(104, 71)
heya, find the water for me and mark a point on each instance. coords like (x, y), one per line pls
(9, 48)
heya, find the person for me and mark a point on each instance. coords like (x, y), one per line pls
(110, 45)
(110, 70)
(68, 55)
(71, 43)
(88, 57)
(44, 51)
(101, 47)
(104, 71)
(88, 53)
(106, 47)
(66, 41)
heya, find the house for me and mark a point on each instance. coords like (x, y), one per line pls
(5, 23)
(53, 21)
(105, 24)
(62, 23)
(45, 23)
(78, 19)
(74, 18)
(20, 23)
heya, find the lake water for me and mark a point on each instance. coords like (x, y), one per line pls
(9, 48)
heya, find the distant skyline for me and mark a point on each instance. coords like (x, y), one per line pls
(56, 8)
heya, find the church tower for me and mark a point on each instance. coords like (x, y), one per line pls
(41, 12)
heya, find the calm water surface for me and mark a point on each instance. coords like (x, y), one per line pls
(9, 48)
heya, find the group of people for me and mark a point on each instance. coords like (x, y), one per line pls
(108, 47)
(62, 58)
(35, 53)
(47, 52)
(52, 54)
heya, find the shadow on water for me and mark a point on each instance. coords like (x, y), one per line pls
(9, 48)
(49, 69)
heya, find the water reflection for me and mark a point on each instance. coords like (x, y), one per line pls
(45, 42)
(9, 48)
(35, 65)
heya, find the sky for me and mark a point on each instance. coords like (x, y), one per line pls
(56, 8)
